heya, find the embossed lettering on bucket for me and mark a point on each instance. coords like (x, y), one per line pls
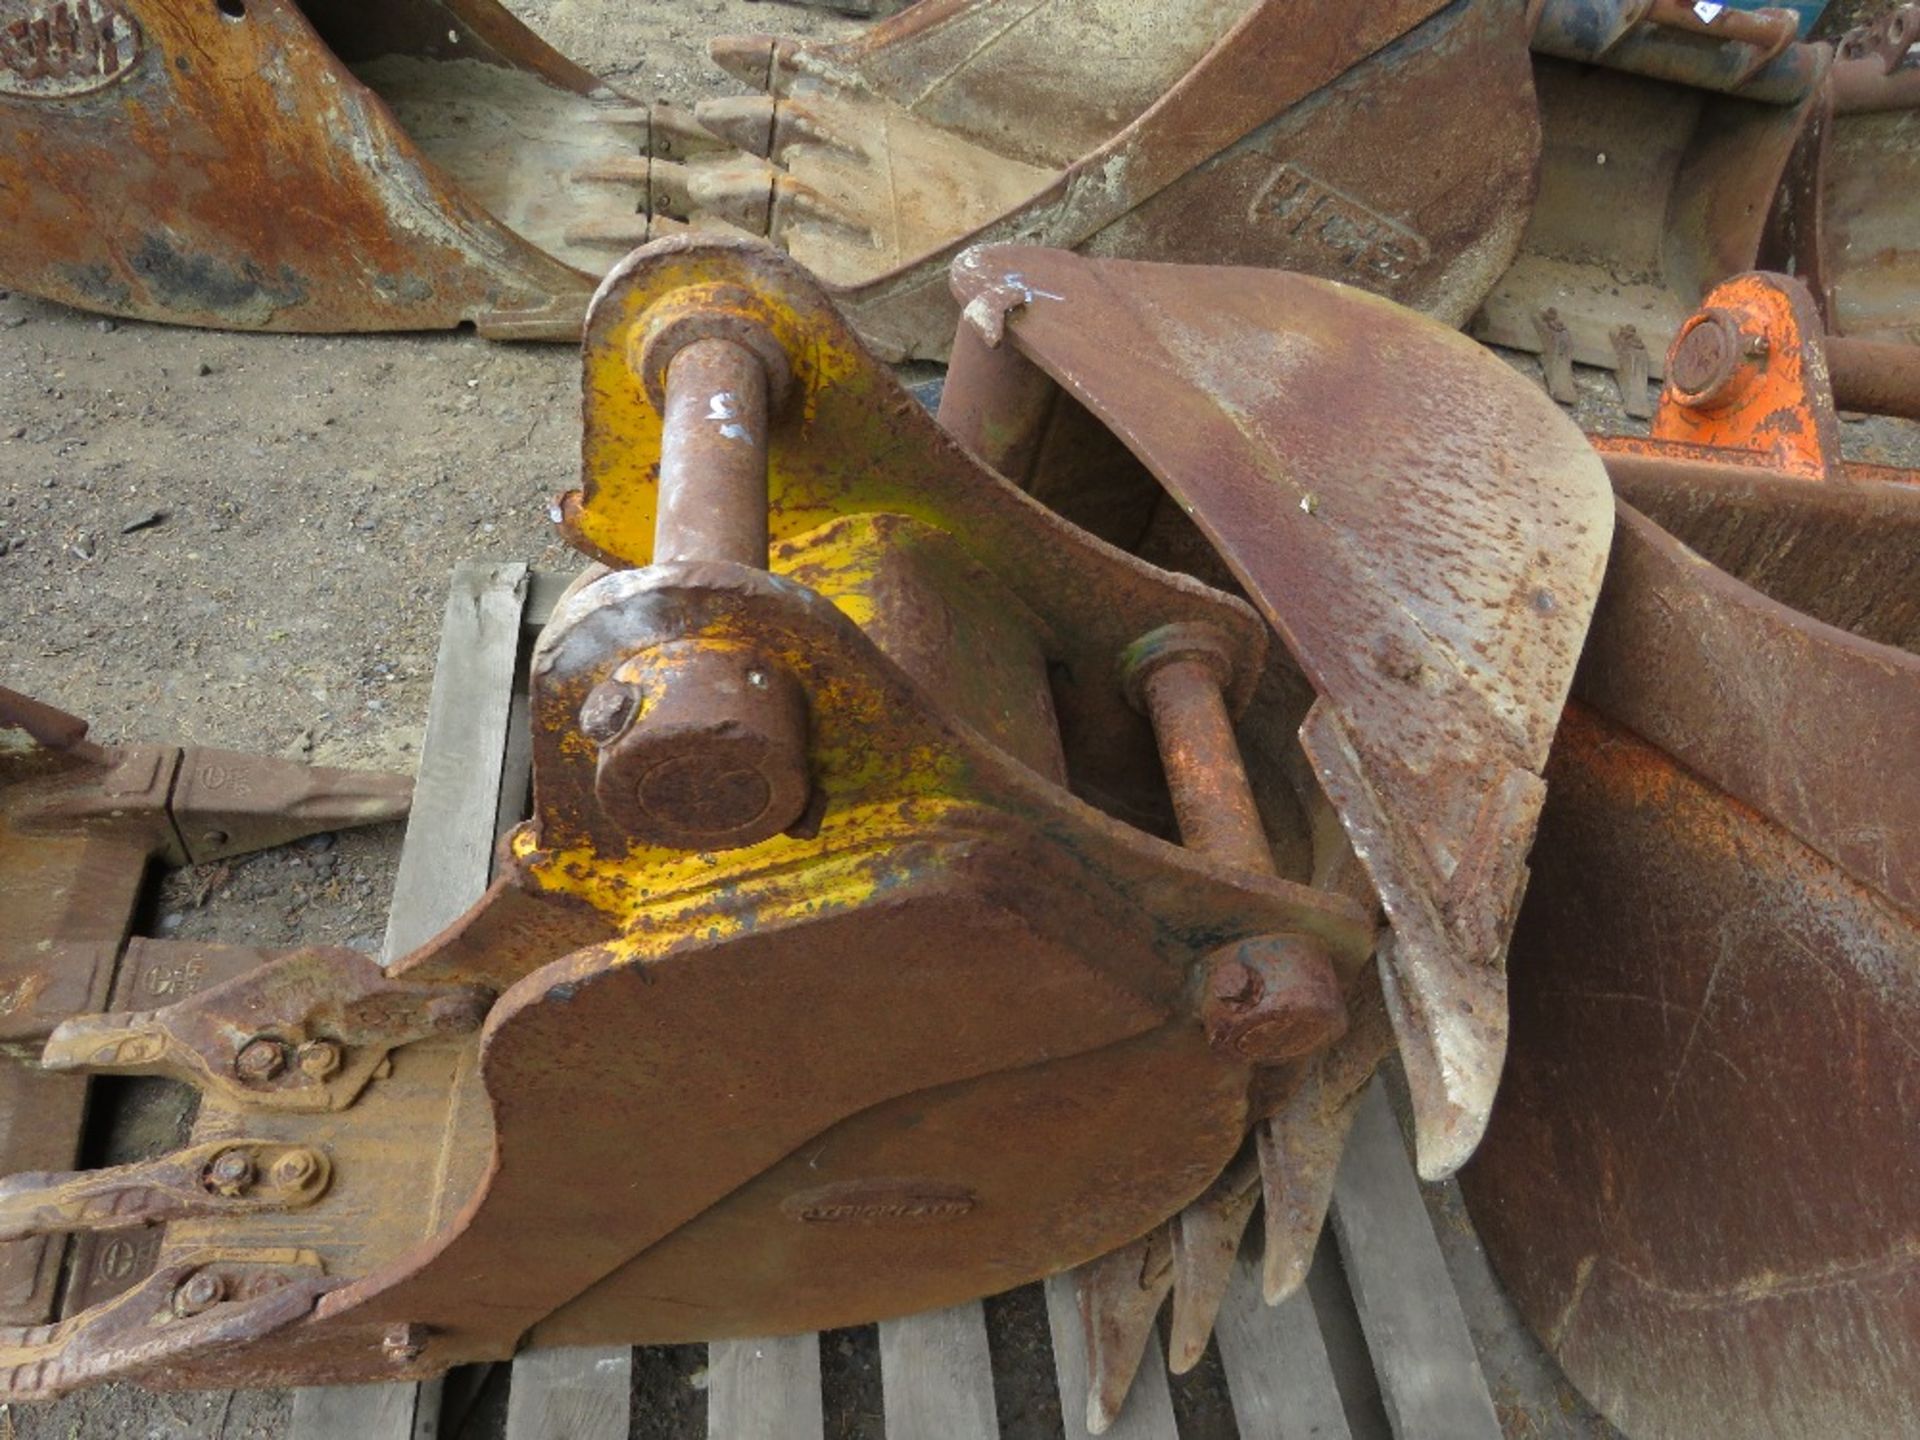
(53, 51)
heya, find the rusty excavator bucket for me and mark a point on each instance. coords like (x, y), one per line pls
(1850, 214)
(1698, 1185)
(328, 165)
(1391, 145)
(922, 895)
(1684, 144)
(306, 165)
(1323, 443)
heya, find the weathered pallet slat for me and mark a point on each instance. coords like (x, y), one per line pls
(765, 1389)
(544, 592)
(572, 1394)
(937, 1376)
(375, 1412)
(1278, 1374)
(1149, 1410)
(448, 855)
(444, 868)
(1422, 1350)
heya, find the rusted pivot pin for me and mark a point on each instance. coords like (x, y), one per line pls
(1268, 998)
(1772, 31)
(703, 743)
(1874, 377)
(1714, 358)
(713, 456)
(1179, 677)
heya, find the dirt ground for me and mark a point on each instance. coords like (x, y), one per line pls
(245, 541)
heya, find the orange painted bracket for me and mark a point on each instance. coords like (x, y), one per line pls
(1747, 377)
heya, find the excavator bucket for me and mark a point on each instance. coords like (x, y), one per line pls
(338, 165)
(1390, 145)
(1679, 150)
(922, 896)
(1325, 443)
(1850, 219)
(1664, 149)
(327, 165)
(1697, 1182)
(1468, 552)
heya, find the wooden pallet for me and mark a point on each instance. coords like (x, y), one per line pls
(936, 1370)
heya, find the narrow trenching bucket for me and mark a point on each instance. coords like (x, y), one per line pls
(1427, 542)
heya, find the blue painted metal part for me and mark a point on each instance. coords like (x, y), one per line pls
(1611, 33)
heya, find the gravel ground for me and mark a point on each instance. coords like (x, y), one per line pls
(245, 541)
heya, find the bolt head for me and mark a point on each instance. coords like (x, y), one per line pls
(719, 758)
(404, 1343)
(319, 1059)
(1234, 983)
(198, 1293)
(1704, 366)
(293, 1169)
(230, 1173)
(261, 1059)
(1288, 1005)
(607, 711)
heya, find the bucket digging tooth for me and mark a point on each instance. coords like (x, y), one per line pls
(1299, 1145)
(1119, 1297)
(618, 170)
(218, 1178)
(189, 805)
(676, 133)
(739, 193)
(1206, 1242)
(799, 207)
(743, 120)
(669, 189)
(621, 233)
(830, 134)
(321, 1023)
(750, 59)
